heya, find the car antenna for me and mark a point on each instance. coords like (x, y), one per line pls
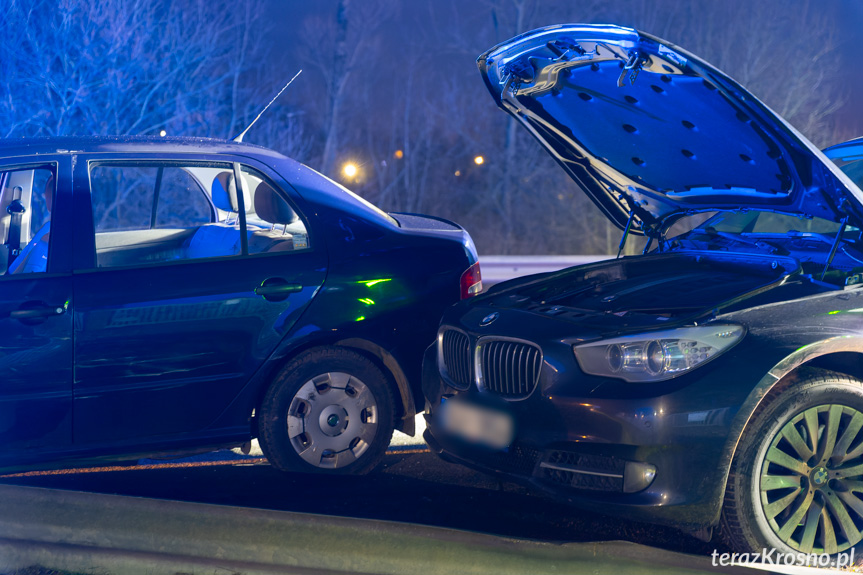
(239, 137)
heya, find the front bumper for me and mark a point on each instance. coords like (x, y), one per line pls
(598, 453)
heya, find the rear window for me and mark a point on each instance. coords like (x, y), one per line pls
(332, 194)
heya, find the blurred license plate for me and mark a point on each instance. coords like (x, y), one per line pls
(477, 424)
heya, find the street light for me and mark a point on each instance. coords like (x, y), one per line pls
(350, 170)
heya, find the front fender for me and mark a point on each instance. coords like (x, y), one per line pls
(785, 372)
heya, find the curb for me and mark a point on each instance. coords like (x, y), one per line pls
(92, 533)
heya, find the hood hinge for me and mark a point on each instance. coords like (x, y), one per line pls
(631, 69)
(654, 233)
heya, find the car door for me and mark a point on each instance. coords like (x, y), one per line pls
(176, 312)
(35, 309)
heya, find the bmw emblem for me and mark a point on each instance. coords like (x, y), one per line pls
(820, 476)
(489, 319)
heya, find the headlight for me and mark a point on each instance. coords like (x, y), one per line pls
(656, 356)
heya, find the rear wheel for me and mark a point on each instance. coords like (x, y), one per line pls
(796, 483)
(329, 411)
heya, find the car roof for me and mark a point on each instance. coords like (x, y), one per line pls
(836, 149)
(11, 147)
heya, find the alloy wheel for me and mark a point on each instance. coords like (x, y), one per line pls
(811, 480)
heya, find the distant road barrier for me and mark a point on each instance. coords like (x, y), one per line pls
(496, 269)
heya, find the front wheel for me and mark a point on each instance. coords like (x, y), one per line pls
(796, 483)
(330, 410)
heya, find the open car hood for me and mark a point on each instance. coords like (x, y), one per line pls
(647, 128)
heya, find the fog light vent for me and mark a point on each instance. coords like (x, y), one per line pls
(596, 472)
(581, 471)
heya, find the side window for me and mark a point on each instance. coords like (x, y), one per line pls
(147, 213)
(122, 197)
(26, 200)
(273, 224)
(181, 205)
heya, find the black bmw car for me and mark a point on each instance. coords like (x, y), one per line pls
(717, 379)
(163, 295)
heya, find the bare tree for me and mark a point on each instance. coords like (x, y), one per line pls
(79, 67)
(117, 67)
(785, 52)
(336, 49)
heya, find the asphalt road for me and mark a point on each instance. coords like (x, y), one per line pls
(411, 486)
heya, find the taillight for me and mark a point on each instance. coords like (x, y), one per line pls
(471, 281)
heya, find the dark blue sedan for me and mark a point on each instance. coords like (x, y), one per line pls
(165, 295)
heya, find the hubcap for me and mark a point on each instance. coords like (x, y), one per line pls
(332, 420)
(811, 480)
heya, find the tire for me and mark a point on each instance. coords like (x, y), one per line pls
(330, 410)
(788, 493)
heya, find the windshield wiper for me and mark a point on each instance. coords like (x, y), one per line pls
(758, 243)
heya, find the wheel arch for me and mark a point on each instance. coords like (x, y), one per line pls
(390, 366)
(842, 354)
(405, 407)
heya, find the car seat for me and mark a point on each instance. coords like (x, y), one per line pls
(273, 210)
(220, 238)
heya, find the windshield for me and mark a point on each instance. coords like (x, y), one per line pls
(756, 222)
(853, 169)
(808, 240)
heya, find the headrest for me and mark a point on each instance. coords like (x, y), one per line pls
(271, 207)
(224, 193)
(219, 191)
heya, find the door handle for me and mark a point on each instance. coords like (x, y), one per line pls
(36, 311)
(276, 289)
